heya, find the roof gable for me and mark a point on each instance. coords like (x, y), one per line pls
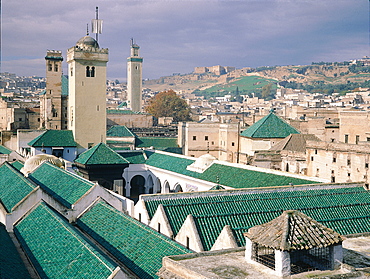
(100, 154)
(293, 230)
(54, 138)
(138, 246)
(120, 132)
(270, 126)
(13, 186)
(57, 250)
(64, 186)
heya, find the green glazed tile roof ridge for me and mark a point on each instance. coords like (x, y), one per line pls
(156, 142)
(65, 250)
(136, 245)
(54, 138)
(5, 150)
(17, 164)
(11, 178)
(66, 187)
(100, 154)
(119, 131)
(270, 126)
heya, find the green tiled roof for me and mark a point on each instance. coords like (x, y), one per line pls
(100, 154)
(228, 176)
(11, 264)
(4, 150)
(54, 138)
(13, 186)
(340, 209)
(123, 111)
(65, 90)
(18, 165)
(57, 250)
(120, 132)
(138, 246)
(156, 142)
(270, 126)
(121, 105)
(64, 186)
(134, 157)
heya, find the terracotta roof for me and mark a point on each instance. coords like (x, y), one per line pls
(294, 142)
(293, 230)
(270, 126)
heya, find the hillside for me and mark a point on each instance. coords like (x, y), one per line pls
(316, 77)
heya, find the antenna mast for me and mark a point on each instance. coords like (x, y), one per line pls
(96, 24)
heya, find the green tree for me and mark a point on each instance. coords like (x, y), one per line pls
(168, 104)
(266, 91)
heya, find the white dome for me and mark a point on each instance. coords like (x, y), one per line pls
(202, 163)
(33, 162)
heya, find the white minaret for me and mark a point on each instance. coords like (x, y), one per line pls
(134, 79)
(87, 64)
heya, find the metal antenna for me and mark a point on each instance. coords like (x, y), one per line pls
(87, 29)
(96, 24)
(96, 17)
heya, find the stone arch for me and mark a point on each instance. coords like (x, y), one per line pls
(166, 187)
(137, 184)
(159, 186)
(150, 184)
(178, 188)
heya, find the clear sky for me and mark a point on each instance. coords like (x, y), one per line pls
(177, 35)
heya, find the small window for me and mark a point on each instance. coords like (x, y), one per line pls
(97, 108)
(366, 165)
(334, 159)
(50, 67)
(55, 67)
(315, 151)
(311, 158)
(357, 139)
(92, 74)
(205, 137)
(187, 242)
(348, 162)
(233, 144)
(87, 71)
(333, 179)
(159, 227)
(345, 138)
(139, 217)
(367, 139)
(194, 137)
(332, 140)
(71, 71)
(349, 174)
(213, 143)
(20, 119)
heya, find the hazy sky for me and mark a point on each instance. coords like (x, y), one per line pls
(175, 36)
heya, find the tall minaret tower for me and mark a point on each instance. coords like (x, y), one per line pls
(134, 79)
(87, 64)
(51, 107)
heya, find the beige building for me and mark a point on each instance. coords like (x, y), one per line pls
(339, 162)
(87, 89)
(218, 139)
(53, 104)
(354, 126)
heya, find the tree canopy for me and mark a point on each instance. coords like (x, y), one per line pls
(168, 104)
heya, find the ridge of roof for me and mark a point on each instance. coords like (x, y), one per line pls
(270, 126)
(5, 150)
(100, 154)
(120, 131)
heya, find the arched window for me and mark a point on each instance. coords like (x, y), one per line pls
(92, 72)
(87, 71)
(137, 184)
(50, 67)
(55, 67)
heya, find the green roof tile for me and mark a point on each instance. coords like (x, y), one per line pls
(4, 150)
(64, 186)
(345, 210)
(134, 157)
(235, 177)
(11, 264)
(270, 126)
(13, 186)
(136, 245)
(65, 90)
(120, 132)
(54, 138)
(57, 250)
(100, 154)
(156, 142)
